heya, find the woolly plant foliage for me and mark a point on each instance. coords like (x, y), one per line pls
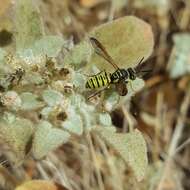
(44, 100)
(131, 147)
(179, 62)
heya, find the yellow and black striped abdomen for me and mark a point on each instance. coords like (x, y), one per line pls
(97, 81)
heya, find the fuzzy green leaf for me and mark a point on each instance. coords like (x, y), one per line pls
(104, 119)
(111, 100)
(37, 53)
(46, 111)
(86, 112)
(52, 97)
(48, 45)
(28, 24)
(131, 147)
(126, 39)
(29, 101)
(79, 56)
(16, 133)
(11, 100)
(79, 81)
(135, 86)
(47, 138)
(179, 63)
(34, 78)
(74, 122)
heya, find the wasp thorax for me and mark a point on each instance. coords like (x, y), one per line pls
(119, 75)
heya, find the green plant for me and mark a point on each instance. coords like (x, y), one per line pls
(47, 105)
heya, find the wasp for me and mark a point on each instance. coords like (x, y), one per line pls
(120, 77)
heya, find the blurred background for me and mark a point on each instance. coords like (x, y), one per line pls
(160, 110)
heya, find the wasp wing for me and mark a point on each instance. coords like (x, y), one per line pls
(100, 50)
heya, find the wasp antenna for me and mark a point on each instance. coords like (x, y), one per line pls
(146, 71)
(141, 61)
(137, 69)
(142, 73)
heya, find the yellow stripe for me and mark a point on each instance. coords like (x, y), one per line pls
(100, 80)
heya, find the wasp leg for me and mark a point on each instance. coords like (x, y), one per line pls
(96, 93)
